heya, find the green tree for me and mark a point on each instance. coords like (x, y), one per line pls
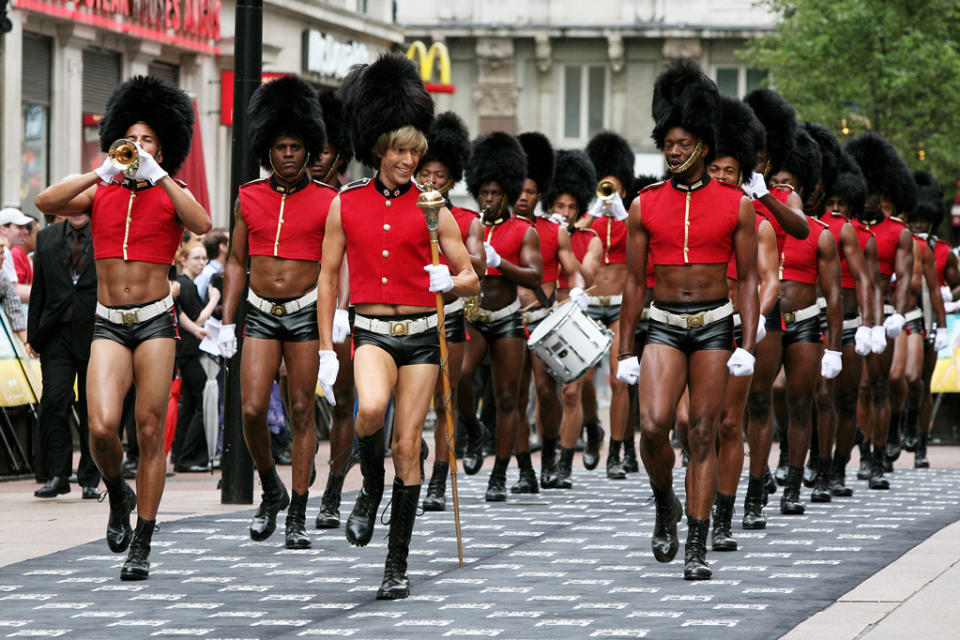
(891, 66)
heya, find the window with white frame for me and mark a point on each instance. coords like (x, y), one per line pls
(584, 101)
(739, 81)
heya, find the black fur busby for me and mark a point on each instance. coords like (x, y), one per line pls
(848, 183)
(287, 106)
(611, 155)
(877, 160)
(643, 180)
(684, 97)
(337, 125)
(829, 151)
(497, 157)
(740, 134)
(448, 142)
(574, 175)
(383, 97)
(907, 193)
(540, 160)
(930, 198)
(779, 120)
(804, 162)
(163, 107)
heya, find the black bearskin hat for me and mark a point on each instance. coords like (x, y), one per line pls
(287, 106)
(337, 126)
(684, 97)
(497, 157)
(740, 135)
(804, 163)
(877, 160)
(930, 200)
(642, 181)
(780, 121)
(448, 142)
(163, 107)
(829, 152)
(539, 158)
(907, 191)
(575, 175)
(611, 155)
(383, 97)
(849, 184)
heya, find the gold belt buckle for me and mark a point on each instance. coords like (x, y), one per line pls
(605, 301)
(789, 317)
(398, 329)
(277, 310)
(695, 321)
(130, 317)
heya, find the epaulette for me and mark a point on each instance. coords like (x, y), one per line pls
(590, 230)
(819, 221)
(475, 214)
(655, 185)
(356, 184)
(323, 184)
(247, 184)
(730, 185)
(783, 186)
(896, 219)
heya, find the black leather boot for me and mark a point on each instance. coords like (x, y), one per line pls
(722, 540)
(821, 483)
(548, 464)
(359, 529)
(665, 541)
(137, 566)
(295, 536)
(473, 458)
(123, 500)
(838, 477)
(403, 513)
(920, 455)
(783, 463)
(769, 484)
(497, 485)
(329, 516)
(790, 504)
(527, 482)
(909, 435)
(810, 469)
(877, 479)
(436, 499)
(591, 450)
(753, 517)
(695, 551)
(273, 500)
(630, 462)
(866, 461)
(614, 465)
(893, 440)
(565, 469)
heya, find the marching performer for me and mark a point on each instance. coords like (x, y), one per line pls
(138, 219)
(278, 232)
(495, 178)
(376, 223)
(689, 227)
(448, 149)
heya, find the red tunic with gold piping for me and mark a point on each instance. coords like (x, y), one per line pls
(286, 222)
(548, 232)
(886, 232)
(507, 238)
(613, 236)
(835, 222)
(799, 261)
(781, 192)
(579, 242)
(136, 221)
(941, 251)
(732, 267)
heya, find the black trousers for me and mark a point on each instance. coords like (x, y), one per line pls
(190, 442)
(60, 366)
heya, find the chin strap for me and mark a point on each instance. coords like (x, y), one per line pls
(334, 167)
(697, 152)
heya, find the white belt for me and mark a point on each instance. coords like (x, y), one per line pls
(536, 314)
(134, 315)
(396, 328)
(285, 308)
(605, 301)
(822, 302)
(736, 320)
(793, 317)
(851, 323)
(453, 307)
(492, 316)
(889, 309)
(913, 315)
(691, 320)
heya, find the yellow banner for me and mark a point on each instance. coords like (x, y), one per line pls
(946, 375)
(17, 383)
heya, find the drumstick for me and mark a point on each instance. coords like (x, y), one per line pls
(556, 304)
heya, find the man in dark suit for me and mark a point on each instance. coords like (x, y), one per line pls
(60, 327)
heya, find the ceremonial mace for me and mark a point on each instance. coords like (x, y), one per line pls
(431, 202)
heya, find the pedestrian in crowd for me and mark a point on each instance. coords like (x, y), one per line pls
(216, 243)
(9, 300)
(14, 227)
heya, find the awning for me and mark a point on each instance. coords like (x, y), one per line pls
(194, 171)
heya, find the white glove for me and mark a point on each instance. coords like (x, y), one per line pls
(578, 296)
(559, 219)
(493, 258)
(893, 325)
(878, 339)
(863, 340)
(628, 370)
(946, 293)
(341, 325)
(831, 365)
(440, 279)
(149, 169)
(761, 329)
(741, 363)
(942, 340)
(952, 307)
(756, 186)
(227, 340)
(327, 374)
(612, 207)
(106, 171)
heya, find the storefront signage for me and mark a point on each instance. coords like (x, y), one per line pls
(325, 55)
(437, 54)
(187, 24)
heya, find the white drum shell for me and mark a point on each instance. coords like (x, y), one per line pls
(569, 342)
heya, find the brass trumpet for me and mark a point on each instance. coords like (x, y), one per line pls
(606, 190)
(124, 156)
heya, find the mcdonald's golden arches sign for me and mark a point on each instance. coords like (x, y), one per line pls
(428, 59)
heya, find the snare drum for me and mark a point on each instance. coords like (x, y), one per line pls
(569, 342)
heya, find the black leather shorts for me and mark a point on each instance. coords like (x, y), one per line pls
(509, 327)
(604, 314)
(915, 327)
(455, 326)
(848, 336)
(714, 336)
(640, 336)
(773, 318)
(419, 348)
(804, 331)
(300, 326)
(131, 335)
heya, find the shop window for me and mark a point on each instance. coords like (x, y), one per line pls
(35, 145)
(739, 81)
(169, 72)
(584, 101)
(101, 75)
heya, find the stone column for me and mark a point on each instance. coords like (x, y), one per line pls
(66, 109)
(495, 93)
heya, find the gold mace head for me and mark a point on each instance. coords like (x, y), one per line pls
(431, 201)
